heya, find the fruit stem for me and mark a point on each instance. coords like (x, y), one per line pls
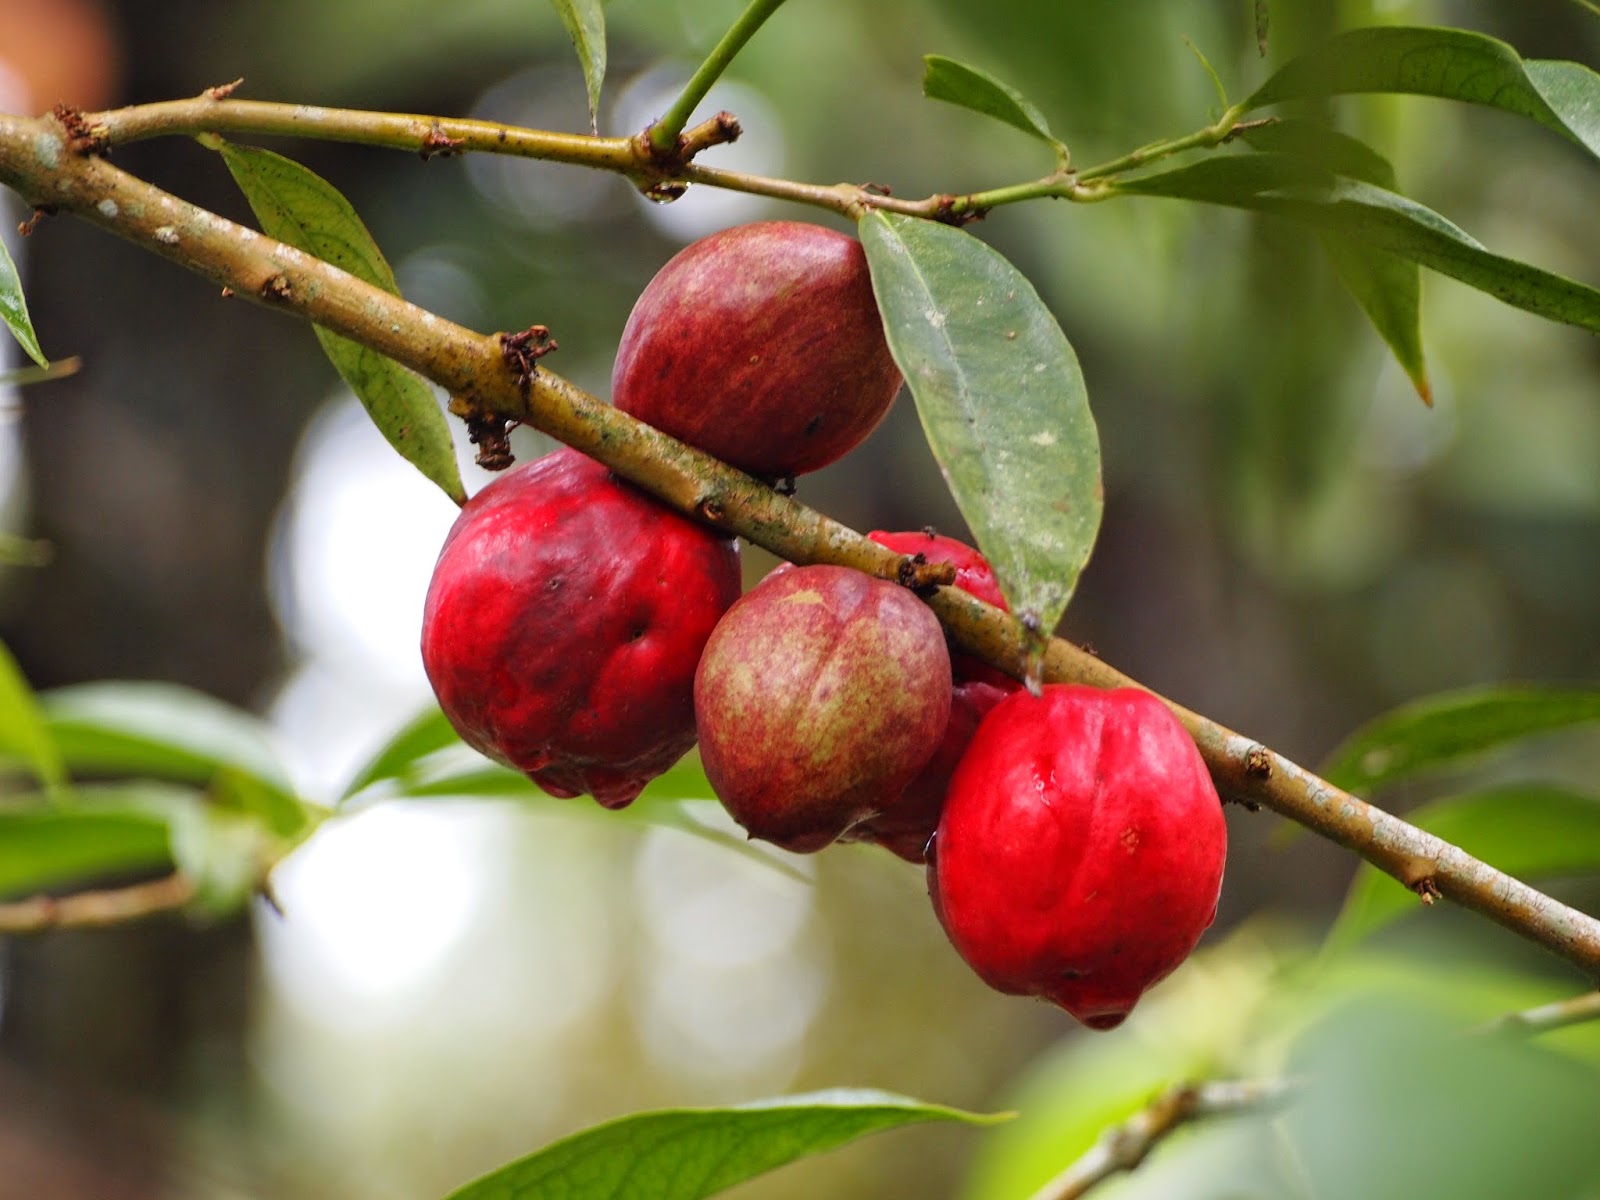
(665, 132)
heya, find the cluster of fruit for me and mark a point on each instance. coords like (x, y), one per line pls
(581, 632)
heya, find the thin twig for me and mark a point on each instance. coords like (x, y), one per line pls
(1126, 1146)
(663, 135)
(1546, 1017)
(632, 157)
(35, 160)
(93, 910)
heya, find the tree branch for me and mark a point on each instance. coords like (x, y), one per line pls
(635, 158)
(1126, 1146)
(37, 160)
(93, 910)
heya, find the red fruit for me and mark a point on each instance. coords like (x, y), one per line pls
(974, 576)
(821, 692)
(564, 621)
(1081, 850)
(907, 823)
(906, 826)
(761, 345)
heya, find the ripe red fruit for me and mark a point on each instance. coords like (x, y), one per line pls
(907, 823)
(761, 345)
(820, 693)
(564, 621)
(1081, 850)
(974, 576)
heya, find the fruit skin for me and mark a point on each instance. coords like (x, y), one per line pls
(1081, 850)
(974, 575)
(907, 824)
(822, 691)
(563, 625)
(761, 345)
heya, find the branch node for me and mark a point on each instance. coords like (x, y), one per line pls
(82, 138)
(222, 90)
(718, 131)
(522, 352)
(923, 577)
(276, 288)
(710, 509)
(438, 144)
(944, 210)
(1258, 762)
(1427, 890)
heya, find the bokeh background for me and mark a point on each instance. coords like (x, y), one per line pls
(1291, 544)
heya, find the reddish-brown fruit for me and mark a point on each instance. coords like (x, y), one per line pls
(1081, 850)
(822, 691)
(761, 345)
(906, 826)
(564, 622)
(974, 576)
(907, 823)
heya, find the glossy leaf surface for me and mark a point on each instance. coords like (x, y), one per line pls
(164, 731)
(112, 831)
(1387, 286)
(1374, 217)
(1453, 64)
(685, 1154)
(14, 308)
(957, 83)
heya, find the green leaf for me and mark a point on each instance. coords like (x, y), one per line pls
(585, 22)
(684, 1154)
(165, 731)
(1387, 287)
(110, 831)
(670, 800)
(1002, 402)
(414, 741)
(299, 207)
(1324, 146)
(1296, 189)
(1454, 64)
(1526, 830)
(14, 308)
(957, 83)
(225, 853)
(1447, 728)
(23, 732)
